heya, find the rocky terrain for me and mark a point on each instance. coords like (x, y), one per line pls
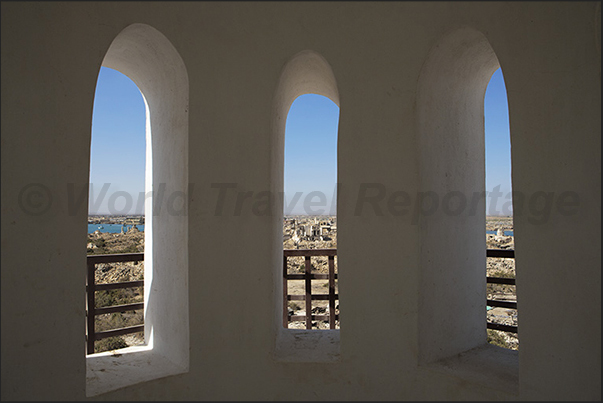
(101, 243)
(495, 222)
(106, 243)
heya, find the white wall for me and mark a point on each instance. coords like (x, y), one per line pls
(234, 54)
(450, 129)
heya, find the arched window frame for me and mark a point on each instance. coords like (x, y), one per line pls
(451, 146)
(307, 72)
(148, 58)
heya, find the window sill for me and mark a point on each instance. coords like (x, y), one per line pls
(129, 366)
(487, 365)
(300, 345)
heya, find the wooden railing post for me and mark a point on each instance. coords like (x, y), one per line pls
(285, 294)
(308, 272)
(331, 292)
(90, 307)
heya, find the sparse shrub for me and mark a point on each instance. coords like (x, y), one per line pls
(100, 243)
(118, 297)
(128, 249)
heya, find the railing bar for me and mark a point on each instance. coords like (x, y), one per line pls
(118, 332)
(90, 309)
(310, 252)
(307, 269)
(506, 253)
(115, 286)
(332, 292)
(502, 304)
(500, 280)
(321, 317)
(285, 292)
(116, 257)
(301, 318)
(118, 308)
(314, 276)
(315, 297)
(501, 327)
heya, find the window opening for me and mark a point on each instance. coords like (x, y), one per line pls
(501, 308)
(310, 286)
(115, 245)
(148, 58)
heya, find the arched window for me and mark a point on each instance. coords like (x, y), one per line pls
(148, 58)
(305, 73)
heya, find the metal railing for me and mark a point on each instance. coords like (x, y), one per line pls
(509, 254)
(92, 311)
(308, 297)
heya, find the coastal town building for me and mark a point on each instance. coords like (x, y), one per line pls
(218, 79)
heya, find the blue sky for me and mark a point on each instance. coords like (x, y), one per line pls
(311, 152)
(118, 141)
(498, 143)
(118, 145)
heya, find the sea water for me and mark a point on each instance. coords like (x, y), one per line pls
(112, 228)
(116, 228)
(507, 233)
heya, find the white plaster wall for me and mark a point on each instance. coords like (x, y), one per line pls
(234, 54)
(145, 55)
(450, 128)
